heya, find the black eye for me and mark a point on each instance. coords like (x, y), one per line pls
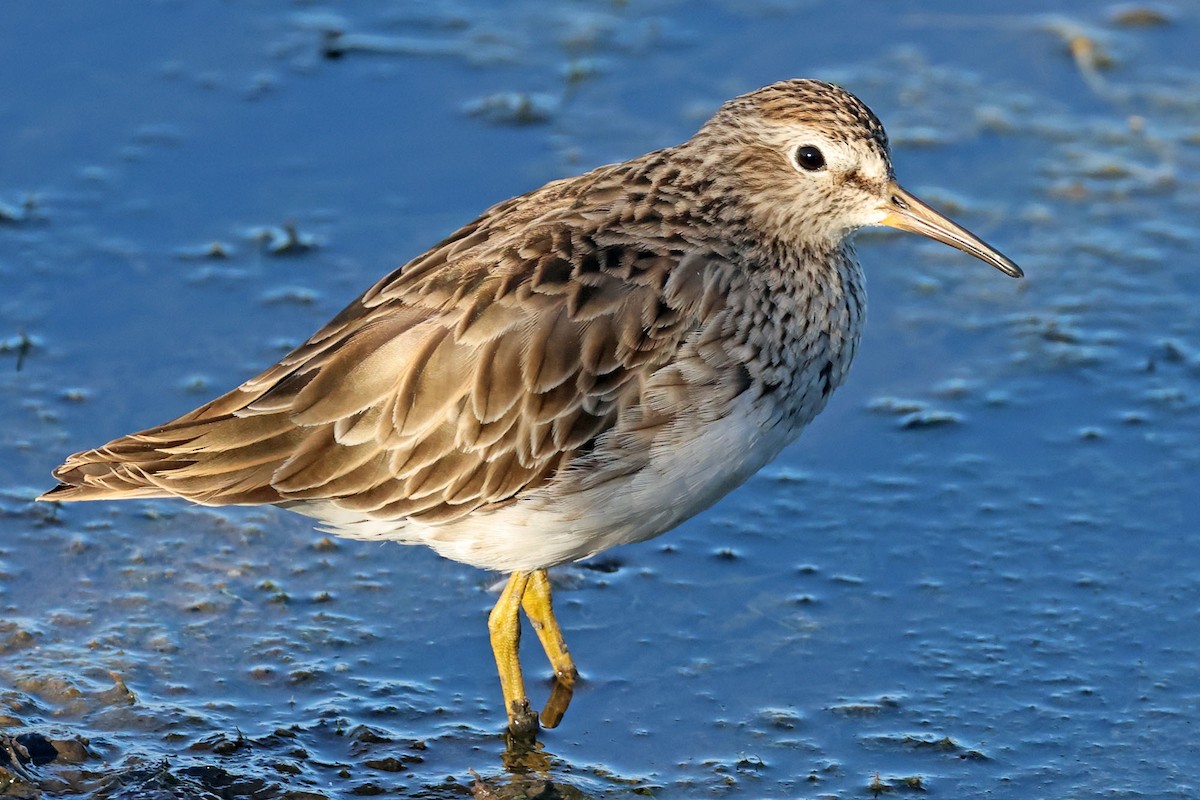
(810, 158)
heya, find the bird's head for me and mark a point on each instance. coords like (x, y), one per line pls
(810, 160)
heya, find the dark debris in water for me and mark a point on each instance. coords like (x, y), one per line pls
(895, 405)
(914, 414)
(338, 44)
(20, 345)
(213, 251)
(513, 108)
(290, 295)
(29, 210)
(934, 744)
(1140, 16)
(783, 719)
(929, 418)
(908, 783)
(284, 240)
(22, 755)
(606, 564)
(866, 708)
(474, 46)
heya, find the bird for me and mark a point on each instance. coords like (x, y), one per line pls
(583, 366)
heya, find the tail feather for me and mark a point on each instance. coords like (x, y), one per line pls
(103, 474)
(157, 462)
(237, 462)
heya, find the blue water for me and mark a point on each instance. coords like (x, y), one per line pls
(1005, 604)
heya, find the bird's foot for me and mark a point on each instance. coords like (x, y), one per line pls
(522, 721)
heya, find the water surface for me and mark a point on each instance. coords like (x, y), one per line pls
(976, 573)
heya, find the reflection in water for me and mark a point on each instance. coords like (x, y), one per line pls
(528, 769)
(556, 704)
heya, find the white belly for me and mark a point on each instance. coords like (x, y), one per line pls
(560, 522)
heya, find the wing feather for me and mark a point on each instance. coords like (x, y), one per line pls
(461, 380)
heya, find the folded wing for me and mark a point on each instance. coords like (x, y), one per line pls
(463, 379)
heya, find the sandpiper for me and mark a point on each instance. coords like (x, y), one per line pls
(582, 366)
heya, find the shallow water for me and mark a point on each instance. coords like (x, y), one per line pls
(976, 573)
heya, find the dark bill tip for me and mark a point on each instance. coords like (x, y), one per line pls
(908, 213)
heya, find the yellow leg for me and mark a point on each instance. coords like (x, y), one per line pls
(540, 610)
(504, 626)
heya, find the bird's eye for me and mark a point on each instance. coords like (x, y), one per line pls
(810, 158)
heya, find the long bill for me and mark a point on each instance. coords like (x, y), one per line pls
(904, 211)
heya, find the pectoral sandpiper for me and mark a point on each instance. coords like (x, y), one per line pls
(582, 366)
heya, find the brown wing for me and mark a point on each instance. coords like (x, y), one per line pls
(462, 379)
